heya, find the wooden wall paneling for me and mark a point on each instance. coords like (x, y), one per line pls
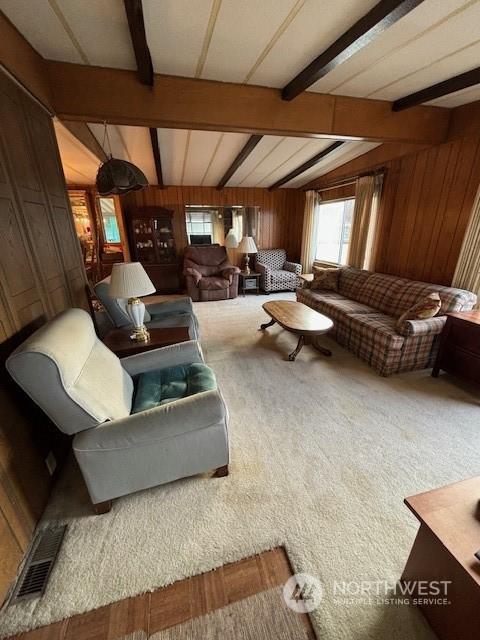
(281, 211)
(24, 298)
(424, 211)
(32, 205)
(465, 213)
(39, 257)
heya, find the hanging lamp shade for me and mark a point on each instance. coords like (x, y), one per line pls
(116, 177)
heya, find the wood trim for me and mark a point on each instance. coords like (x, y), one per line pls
(21, 60)
(456, 83)
(115, 95)
(156, 156)
(240, 159)
(83, 133)
(307, 165)
(382, 16)
(136, 25)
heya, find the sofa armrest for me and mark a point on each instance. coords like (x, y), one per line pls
(431, 326)
(183, 304)
(265, 274)
(229, 272)
(196, 275)
(159, 423)
(294, 267)
(183, 353)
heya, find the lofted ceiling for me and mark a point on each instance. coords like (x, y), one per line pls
(248, 41)
(202, 157)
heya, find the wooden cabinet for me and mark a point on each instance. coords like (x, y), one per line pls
(153, 244)
(459, 351)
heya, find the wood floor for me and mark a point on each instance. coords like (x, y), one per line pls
(176, 603)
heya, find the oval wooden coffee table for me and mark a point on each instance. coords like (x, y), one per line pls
(297, 318)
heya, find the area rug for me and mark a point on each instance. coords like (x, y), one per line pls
(323, 453)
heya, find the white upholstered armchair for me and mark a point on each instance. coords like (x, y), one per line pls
(276, 273)
(138, 422)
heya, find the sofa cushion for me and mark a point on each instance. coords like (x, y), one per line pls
(377, 328)
(381, 291)
(334, 306)
(351, 280)
(325, 279)
(213, 283)
(155, 388)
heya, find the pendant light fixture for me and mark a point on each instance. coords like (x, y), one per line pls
(117, 177)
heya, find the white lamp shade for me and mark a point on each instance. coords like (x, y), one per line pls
(247, 245)
(231, 241)
(129, 280)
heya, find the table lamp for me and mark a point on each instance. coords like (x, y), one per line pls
(129, 280)
(247, 245)
(231, 241)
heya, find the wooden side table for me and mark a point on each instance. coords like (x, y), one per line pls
(118, 340)
(448, 538)
(459, 351)
(249, 282)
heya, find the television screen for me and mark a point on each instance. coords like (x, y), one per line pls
(200, 239)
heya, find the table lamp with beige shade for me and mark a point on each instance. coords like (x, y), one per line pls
(247, 246)
(128, 281)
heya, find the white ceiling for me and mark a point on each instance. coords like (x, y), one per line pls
(267, 43)
(201, 157)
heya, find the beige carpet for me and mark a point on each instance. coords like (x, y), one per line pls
(323, 453)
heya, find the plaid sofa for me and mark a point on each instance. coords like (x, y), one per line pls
(365, 311)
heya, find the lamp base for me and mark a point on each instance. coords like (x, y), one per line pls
(140, 334)
(136, 312)
(247, 266)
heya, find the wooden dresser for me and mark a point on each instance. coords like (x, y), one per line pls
(459, 351)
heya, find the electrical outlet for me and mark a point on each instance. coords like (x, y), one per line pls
(51, 463)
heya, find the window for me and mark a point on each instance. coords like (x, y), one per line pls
(334, 224)
(199, 226)
(109, 220)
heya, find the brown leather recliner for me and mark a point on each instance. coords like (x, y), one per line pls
(209, 273)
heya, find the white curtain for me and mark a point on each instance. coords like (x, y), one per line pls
(467, 272)
(218, 228)
(309, 233)
(365, 218)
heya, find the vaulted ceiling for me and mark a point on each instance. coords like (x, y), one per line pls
(247, 41)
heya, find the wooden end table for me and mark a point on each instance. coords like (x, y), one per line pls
(448, 537)
(249, 282)
(118, 340)
(459, 351)
(297, 318)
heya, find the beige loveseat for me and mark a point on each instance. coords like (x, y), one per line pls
(365, 310)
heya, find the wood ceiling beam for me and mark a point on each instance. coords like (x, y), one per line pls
(83, 133)
(116, 96)
(136, 24)
(307, 165)
(456, 83)
(21, 60)
(240, 159)
(370, 26)
(156, 156)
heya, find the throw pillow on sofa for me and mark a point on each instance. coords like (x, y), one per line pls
(325, 278)
(426, 308)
